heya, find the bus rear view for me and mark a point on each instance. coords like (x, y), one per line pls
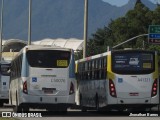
(47, 79)
(136, 78)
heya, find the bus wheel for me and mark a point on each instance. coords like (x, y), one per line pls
(25, 109)
(63, 110)
(83, 109)
(1, 104)
(97, 102)
(17, 108)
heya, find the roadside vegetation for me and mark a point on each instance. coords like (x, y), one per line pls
(134, 23)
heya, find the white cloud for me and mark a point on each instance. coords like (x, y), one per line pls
(117, 2)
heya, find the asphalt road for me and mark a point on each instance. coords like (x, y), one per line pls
(74, 114)
(94, 118)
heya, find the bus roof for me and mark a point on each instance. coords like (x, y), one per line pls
(45, 47)
(109, 52)
(41, 47)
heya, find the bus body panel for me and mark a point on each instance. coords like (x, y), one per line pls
(4, 87)
(4, 82)
(43, 81)
(133, 86)
(133, 82)
(48, 99)
(46, 79)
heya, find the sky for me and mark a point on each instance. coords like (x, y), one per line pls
(123, 2)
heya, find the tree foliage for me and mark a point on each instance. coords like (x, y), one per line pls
(134, 23)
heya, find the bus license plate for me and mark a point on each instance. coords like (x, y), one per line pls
(48, 90)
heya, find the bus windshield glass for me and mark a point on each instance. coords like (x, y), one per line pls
(133, 62)
(5, 68)
(48, 58)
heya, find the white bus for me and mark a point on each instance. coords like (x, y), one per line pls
(43, 77)
(124, 79)
(4, 82)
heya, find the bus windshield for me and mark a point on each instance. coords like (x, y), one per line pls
(5, 69)
(133, 62)
(48, 58)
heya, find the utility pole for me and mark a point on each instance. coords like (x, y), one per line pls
(1, 29)
(29, 23)
(85, 28)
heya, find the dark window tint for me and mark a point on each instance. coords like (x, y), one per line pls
(48, 58)
(133, 62)
(94, 69)
(5, 69)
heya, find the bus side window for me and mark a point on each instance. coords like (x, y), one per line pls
(105, 67)
(79, 71)
(83, 72)
(92, 70)
(83, 67)
(86, 71)
(97, 69)
(100, 69)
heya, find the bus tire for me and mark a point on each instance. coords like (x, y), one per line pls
(1, 104)
(25, 109)
(96, 102)
(17, 108)
(63, 110)
(83, 109)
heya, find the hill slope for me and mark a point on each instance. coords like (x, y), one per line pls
(58, 18)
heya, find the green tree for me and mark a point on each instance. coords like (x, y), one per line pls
(155, 21)
(134, 23)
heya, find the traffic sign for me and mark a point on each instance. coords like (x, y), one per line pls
(154, 34)
(154, 41)
(154, 29)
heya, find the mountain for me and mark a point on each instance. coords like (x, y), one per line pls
(149, 4)
(58, 18)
